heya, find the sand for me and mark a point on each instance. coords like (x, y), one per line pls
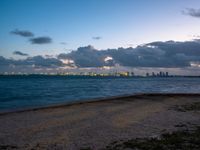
(95, 124)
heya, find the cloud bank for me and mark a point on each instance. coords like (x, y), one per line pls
(166, 55)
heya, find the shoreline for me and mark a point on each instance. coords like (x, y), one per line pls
(96, 124)
(95, 100)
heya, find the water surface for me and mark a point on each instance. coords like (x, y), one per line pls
(21, 92)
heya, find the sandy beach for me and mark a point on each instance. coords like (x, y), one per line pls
(96, 124)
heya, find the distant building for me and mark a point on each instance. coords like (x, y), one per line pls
(160, 74)
(127, 74)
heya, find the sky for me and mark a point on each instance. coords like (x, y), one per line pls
(31, 28)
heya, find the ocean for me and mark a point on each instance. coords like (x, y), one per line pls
(23, 92)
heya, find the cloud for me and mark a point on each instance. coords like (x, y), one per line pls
(23, 33)
(168, 54)
(63, 43)
(96, 38)
(85, 57)
(41, 40)
(40, 61)
(192, 12)
(36, 64)
(20, 53)
(32, 39)
(196, 36)
(154, 55)
(130, 45)
(36, 61)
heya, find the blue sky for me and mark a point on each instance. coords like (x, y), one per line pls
(119, 23)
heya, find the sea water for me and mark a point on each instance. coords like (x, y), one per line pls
(22, 92)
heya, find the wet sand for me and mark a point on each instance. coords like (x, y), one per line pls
(95, 124)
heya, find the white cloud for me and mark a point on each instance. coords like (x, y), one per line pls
(67, 61)
(195, 64)
(108, 58)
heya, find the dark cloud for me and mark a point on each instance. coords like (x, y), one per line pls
(49, 56)
(63, 43)
(30, 65)
(23, 33)
(20, 53)
(33, 40)
(40, 61)
(85, 57)
(169, 54)
(41, 40)
(192, 12)
(156, 54)
(36, 61)
(96, 38)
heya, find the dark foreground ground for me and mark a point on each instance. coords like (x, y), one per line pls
(146, 122)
